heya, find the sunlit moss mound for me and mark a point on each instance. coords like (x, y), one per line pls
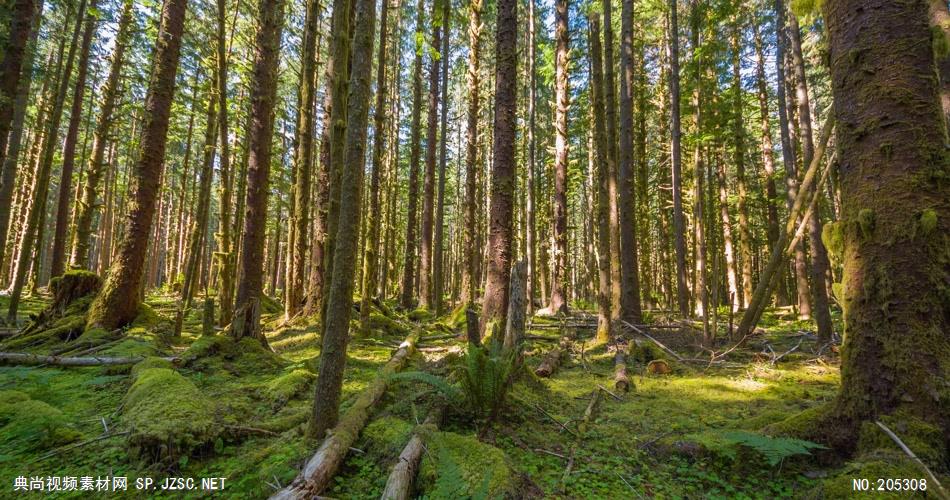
(386, 436)
(30, 424)
(926, 440)
(167, 414)
(288, 386)
(270, 305)
(882, 464)
(420, 315)
(386, 325)
(458, 466)
(243, 357)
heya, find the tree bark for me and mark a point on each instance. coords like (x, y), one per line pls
(679, 225)
(247, 306)
(11, 66)
(469, 265)
(340, 300)
(602, 182)
(630, 309)
(438, 285)
(895, 213)
(745, 234)
(224, 257)
(501, 209)
(409, 256)
(559, 269)
(428, 190)
(610, 139)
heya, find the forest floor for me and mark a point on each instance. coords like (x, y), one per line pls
(691, 433)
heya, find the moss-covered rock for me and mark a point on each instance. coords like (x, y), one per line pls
(288, 386)
(30, 424)
(460, 466)
(167, 414)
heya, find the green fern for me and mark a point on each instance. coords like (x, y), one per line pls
(484, 378)
(774, 449)
(451, 392)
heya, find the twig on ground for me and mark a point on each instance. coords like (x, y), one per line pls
(618, 398)
(799, 344)
(250, 430)
(655, 341)
(942, 492)
(542, 450)
(68, 447)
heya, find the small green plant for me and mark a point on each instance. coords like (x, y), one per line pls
(774, 449)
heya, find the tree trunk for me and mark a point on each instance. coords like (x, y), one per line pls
(224, 257)
(940, 19)
(409, 256)
(340, 300)
(602, 182)
(559, 269)
(373, 221)
(610, 140)
(501, 209)
(247, 306)
(629, 211)
(32, 233)
(517, 306)
(428, 190)
(745, 234)
(531, 205)
(437, 247)
(679, 225)
(699, 172)
(11, 66)
(895, 213)
(469, 267)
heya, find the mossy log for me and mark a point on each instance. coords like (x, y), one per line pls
(399, 483)
(322, 466)
(621, 380)
(20, 358)
(552, 360)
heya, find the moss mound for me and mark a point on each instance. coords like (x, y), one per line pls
(246, 356)
(168, 415)
(460, 466)
(386, 436)
(882, 464)
(270, 305)
(288, 386)
(30, 424)
(386, 325)
(150, 363)
(420, 315)
(924, 439)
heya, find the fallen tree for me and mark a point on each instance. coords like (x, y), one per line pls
(404, 471)
(552, 360)
(320, 469)
(21, 358)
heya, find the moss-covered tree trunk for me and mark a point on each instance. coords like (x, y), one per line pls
(409, 255)
(11, 65)
(87, 207)
(340, 301)
(247, 306)
(601, 181)
(627, 185)
(745, 234)
(501, 207)
(428, 185)
(559, 275)
(438, 250)
(676, 168)
(224, 257)
(69, 149)
(469, 274)
(118, 302)
(895, 213)
(610, 138)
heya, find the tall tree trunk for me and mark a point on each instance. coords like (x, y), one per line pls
(629, 258)
(610, 102)
(819, 256)
(437, 247)
(531, 206)
(501, 209)
(428, 190)
(601, 180)
(373, 221)
(340, 301)
(699, 171)
(9, 156)
(895, 213)
(32, 234)
(303, 162)
(224, 257)
(118, 302)
(559, 275)
(247, 306)
(11, 66)
(745, 234)
(69, 149)
(768, 158)
(940, 20)
(470, 249)
(679, 225)
(409, 255)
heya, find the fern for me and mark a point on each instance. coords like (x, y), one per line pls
(773, 449)
(484, 378)
(451, 392)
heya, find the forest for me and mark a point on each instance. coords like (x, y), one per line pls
(471, 249)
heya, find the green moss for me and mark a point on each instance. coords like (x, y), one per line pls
(148, 364)
(386, 436)
(246, 356)
(462, 466)
(879, 464)
(456, 319)
(147, 317)
(924, 439)
(386, 325)
(288, 386)
(270, 305)
(31, 424)
(167, 414)
(866, 222)
(928, 221)
(833, 238)
(420, 315)
(810, 424)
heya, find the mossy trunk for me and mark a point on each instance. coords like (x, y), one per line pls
(428, 184)
(246, 321)
(559, 272)
(224, 257)
(119, 300)
(601, 180)
(469, 265)
(895, 213)
(676, 160)
(630, 309)
(21, 21)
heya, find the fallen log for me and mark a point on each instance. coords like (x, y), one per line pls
(320, 469)
(655, 341)
(621, 380)
(20, 358)
(399, 483)
(552, 360)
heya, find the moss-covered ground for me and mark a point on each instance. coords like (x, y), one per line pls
(242, 412)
